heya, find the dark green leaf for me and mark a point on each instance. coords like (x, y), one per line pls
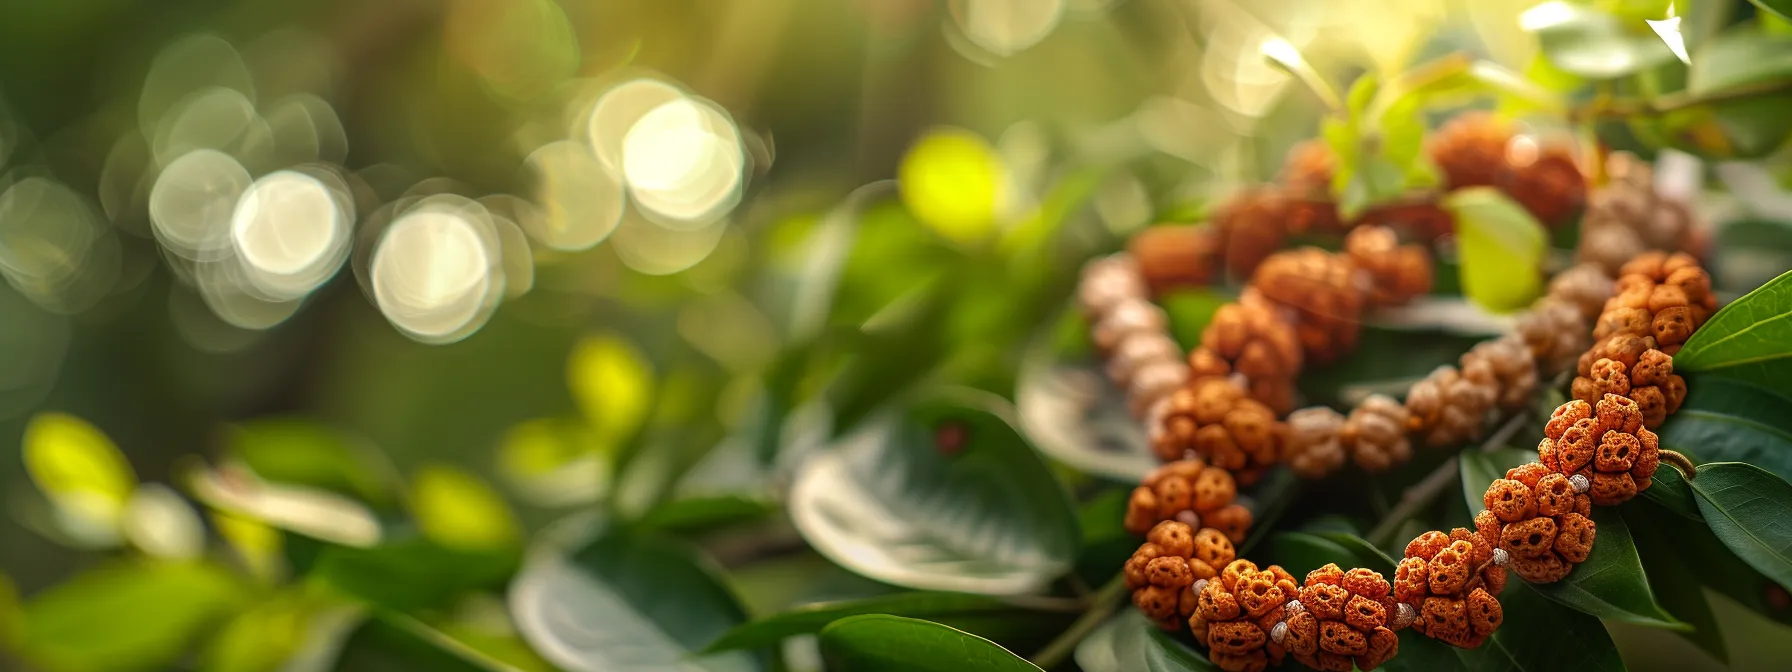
(1694, 544)
(132, 616)
(1268, 500)
(935, 606)
(626, 600)
(1419, 653)
(1590, 43)
(303, 452)
(882, 642)
(1300, 553)
(1730, 421)
(1129, 642)
(1668, 578)
(1106, 543)
(412, 574)
(1747, 339)
(1751, 511)
(1385, 360)
(946, 497)
(389, 641)
(1364, 553)
(1501, 248)
(1539, 635)
(1611, 584)
(704, 513)
(1781, 8)
(1671, 491)
(1480, 469)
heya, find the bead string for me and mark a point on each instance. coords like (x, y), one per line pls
(1457, 603)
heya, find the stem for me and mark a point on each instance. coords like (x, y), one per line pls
(1425, 75)
(1607, 107)
(1100, 608)
(1421, 494)
(1681, 462)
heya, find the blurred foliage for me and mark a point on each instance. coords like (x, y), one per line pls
(735, 337)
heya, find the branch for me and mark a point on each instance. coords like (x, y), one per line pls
(1100, 608)
(1421, 494)
(1673, 102)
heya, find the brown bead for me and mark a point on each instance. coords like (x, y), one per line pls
(1575, 450)
(1528, 473)
(1449, 570)
(1253, 223)
(1427, 545)
(1617, 452)
(1330, 575)
(1173, 538)
(1545, 568)
(1169, 572)
(1412, 580)
(1554, 495)
(1375, 433)
(1325, 601)
(1529, 538)
(1396, 273)
(1647, 459)
(1365, 614)
(1314, 448)
(1365, 582)
(1235, 637)
(1565, 416)
(1339, 638)
(1172, 256)
(1303, 634)
(1484, 612)
(1672, 326)
(1510, 500)
(1617, 413)
(1470, 150)
(1232, 520)
(1383, 646)
(1612, 489)
(1320, 289)
(1574, 537)
(1487, 527)
(1212, 548)
(1443, 616)
(1156, 602)
(1106, 282)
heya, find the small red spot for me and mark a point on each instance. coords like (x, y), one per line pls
(949, 438)
(1778, 598)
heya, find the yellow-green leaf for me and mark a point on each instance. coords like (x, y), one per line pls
(613, 384)
(135, 616)
(552, 462)
(1501, 248)
(458, 510)
(77, 467)
(257, 545)
(955, 183)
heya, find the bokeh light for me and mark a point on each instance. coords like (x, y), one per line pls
(291, 233)
(193, 202)
(581, 200)
(436, 274)
(1006, 27)
(683, 163)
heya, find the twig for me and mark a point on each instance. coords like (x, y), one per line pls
(1610, 107)
(1100, 608)
(1421, 494)
(1681, 462)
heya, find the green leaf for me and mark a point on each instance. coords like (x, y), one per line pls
(412, 574)
(81, 471)
(1129, 642)
(12, 616)
(1729, 421)
(1543, 636)
(303, 452)
(1695, 545)
(945, 497)
(1748, 509)
(389, 641)
(1611, 584)
(263, 637)
(623, 600)
(1190, 310)
(1590, 43)
(706, 513)
(1670, 490)
(875, 642)
(1375, 180)
(1780, 8)
(1364, 553)
(613, 383)
(1501, 247)
(1668, 572)
(459, 510)
(1480, 468)
(1075, 416)
(133, 616)
(1747, 339)
(959, 610)
(1419, 653)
